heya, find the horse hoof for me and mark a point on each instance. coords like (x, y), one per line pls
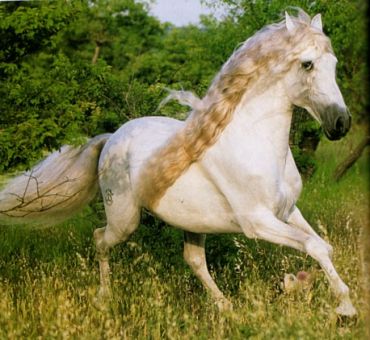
(346, 309)
(224, 305)
(102, 301)
(100, 305)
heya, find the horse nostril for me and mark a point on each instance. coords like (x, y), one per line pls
(339, 125)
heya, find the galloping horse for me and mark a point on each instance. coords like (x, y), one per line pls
(227, 168)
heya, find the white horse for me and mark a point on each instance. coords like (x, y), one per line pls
(227, 169)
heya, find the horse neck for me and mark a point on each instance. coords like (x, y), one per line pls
(267, 114)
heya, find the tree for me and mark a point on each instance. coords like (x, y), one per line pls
(115, 30)
(52, 93)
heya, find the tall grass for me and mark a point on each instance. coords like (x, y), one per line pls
(49, 277)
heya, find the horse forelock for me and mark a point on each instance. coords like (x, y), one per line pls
(269, 53)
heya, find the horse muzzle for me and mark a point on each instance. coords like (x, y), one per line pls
(337, 122)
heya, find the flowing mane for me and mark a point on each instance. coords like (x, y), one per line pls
(261, 59)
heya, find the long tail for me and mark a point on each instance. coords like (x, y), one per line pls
(55, 188)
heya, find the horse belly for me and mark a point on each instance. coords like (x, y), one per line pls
(194, 204)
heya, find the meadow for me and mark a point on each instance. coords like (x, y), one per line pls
(49, 276)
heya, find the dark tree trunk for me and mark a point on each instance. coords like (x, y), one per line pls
(351, 159)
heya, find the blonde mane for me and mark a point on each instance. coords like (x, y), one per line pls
(267, 54)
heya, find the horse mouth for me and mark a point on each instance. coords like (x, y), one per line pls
(334, 135)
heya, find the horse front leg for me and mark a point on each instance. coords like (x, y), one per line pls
(325, 259)
(264, 225)
(194, 255)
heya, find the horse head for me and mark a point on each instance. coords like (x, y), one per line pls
(311, 80)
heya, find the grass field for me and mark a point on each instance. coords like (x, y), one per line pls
(49, 277)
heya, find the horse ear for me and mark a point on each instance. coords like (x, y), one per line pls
(289, 23)
(316, 22)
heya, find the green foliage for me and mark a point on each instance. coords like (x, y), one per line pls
(70, 101)
(305, 136)
(27, 28)
(121, 28)
(49, 96)
(305, 161)
(74, 69)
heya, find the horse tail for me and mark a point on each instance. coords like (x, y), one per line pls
(56, 188)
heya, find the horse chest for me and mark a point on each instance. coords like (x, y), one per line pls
(252, 176)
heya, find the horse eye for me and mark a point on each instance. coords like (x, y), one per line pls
(307, 65)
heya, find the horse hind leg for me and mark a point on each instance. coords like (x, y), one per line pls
(194, 255)
(102, 254)
(123, 217)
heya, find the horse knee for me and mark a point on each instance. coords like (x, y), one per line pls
(327, 246)
(101, 246)
(317, 250)
(195, 261)
(105, 239)
(98, 234)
